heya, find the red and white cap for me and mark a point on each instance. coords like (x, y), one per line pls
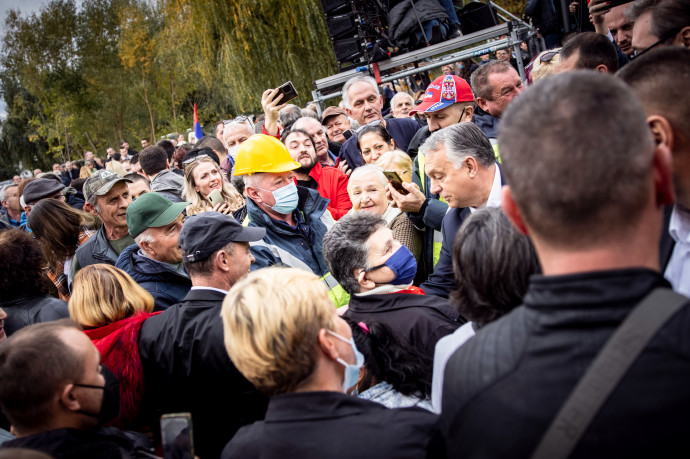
(443, 92)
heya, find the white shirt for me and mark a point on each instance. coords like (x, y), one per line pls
(446, 347)
(201, 287)
(495, 193)
(678, 269)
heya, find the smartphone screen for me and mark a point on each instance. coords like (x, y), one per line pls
(177, 436)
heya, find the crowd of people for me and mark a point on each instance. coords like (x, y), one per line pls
(490, 271)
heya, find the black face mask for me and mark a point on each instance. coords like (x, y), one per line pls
(110, 407)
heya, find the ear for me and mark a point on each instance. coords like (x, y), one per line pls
(393, 143)
(327, 346)
(222, 261)
(88, 207)
(363, 279)
(663, 175)
(511, 210)
(472, 166)
(27, 209)
(381, 101)
(601, 68)
(253, 194)
(469, 112)
(483, 103)
(68, 399)
(661, 130)
(683, 37)
(147, 247)
(349, 112)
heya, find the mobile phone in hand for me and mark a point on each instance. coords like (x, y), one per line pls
(215, 197)
(288, 91)
(177, 436)
(396, 181)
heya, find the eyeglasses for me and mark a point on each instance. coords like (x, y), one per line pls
(665, 38)
(547, 57)
(191, 160)
(373, 123)
(238, 119)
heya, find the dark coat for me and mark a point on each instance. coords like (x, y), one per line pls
(166, 286)
(336, 426)
(96, 250)
(186, 368)
(486, 122)
(403, 19)
(76, 444)
(503, 387)
(421, 320)
(32, 309)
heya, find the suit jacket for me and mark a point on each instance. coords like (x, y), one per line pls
(442, 281)
(186, 368)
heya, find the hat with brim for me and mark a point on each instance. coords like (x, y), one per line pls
(152, 210)
(41, 188)
(443, 92)
(332, 111)
(205, 233)
(101, 182)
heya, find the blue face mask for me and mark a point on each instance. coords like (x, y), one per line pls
(403, 264)
(351, 369)
(286, 199)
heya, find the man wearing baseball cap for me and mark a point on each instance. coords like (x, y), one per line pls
(336, 123)
(202, 379)
(155, 261)
(107, 196)
(448, 100)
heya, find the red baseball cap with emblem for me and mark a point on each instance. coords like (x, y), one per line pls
(443, 92)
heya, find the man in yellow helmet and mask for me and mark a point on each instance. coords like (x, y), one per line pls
(295, 218)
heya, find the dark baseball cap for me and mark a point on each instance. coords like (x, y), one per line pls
(204, 233)
(152, 210)
(101, 182)
(41, 188)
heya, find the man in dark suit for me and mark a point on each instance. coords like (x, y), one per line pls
(461, 165)
(186, 367)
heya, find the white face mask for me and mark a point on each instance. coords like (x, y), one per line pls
(232, 151)
(351, 369)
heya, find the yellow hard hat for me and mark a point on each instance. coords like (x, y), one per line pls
(263, 153)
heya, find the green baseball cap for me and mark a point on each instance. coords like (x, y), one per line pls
(152, 210)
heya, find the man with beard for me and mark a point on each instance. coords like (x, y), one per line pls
(328, 181)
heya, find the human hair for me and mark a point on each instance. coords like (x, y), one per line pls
(288, 132)
(167, 146)
(543, 69)
(198, 202)
(117, 156)
(479, 81)
(387, 358)
(56, 226)
(304, 122)
(211, 142)
(21, 265)
(153, 159)
(592, 120)
(3, 191)
(594, 50)
(35, 363)
(246, 122)
(180, 153)
(461, 140)
(400, 95)
(378, 129)
(357, 79)
(395, 159)
(309, 113)
(134, 159)
(288, 115)
(648, 76)
(364, 170)
(103, 294)
(204, 268)
(345, 247)
(492, 262)
(668, 17)
(84, 171)
(134, 177)
(78, 184)
(271, 321)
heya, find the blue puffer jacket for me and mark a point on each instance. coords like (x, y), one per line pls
(299, 247)
(167, 287)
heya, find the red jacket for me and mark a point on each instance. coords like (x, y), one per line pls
(333, 186)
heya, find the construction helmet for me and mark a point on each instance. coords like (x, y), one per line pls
(263, 153)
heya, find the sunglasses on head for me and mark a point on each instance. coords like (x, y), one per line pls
(238, 119)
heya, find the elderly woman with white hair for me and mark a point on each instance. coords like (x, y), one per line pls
(367, 190)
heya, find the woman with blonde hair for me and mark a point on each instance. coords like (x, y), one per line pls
(546, 63)
(86, 170)
(112, 307)
(60, 229)
(202, 176)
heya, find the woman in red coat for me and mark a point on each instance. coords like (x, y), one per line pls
(111, 307)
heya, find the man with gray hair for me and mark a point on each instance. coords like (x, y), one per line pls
(495, 85)
(593, 206)
(107, 196)
(462, 170)
(377, 271)
(155, 261)
(363, 103)
(235, 132)
(401, 104)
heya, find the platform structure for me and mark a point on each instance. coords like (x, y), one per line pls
(468, 46)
